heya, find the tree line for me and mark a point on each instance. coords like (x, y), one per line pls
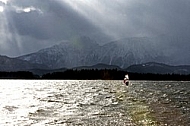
(18, 75)
(93, 74)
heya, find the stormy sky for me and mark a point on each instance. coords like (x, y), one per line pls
(29, 25)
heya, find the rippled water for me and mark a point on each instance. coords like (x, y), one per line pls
(94, 103)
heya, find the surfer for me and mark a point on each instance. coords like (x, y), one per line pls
(126, 79)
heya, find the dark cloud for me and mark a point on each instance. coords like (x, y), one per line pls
(55, 21)
(30, 25)
(38, 24)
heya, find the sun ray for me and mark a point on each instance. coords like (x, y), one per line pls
(108, 19)
(4, 34)
(9, 39)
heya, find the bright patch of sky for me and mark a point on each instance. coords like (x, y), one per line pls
(1, 9)
(27, 9)
(4, 1)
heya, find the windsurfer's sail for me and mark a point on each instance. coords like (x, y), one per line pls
(126, 79)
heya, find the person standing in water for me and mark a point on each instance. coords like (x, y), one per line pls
(126, 79)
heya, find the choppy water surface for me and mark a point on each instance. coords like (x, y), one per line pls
(94, 103)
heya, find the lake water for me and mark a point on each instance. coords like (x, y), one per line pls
(94, 103)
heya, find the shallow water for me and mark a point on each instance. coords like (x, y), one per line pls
(94, 103)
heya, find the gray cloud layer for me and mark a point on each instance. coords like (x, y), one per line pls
(29, 25)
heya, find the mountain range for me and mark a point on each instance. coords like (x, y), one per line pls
(135, 54)
(85, 52)
(13, 64)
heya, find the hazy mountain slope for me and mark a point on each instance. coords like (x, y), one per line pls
(128, 51)
(76, 52)
(98, 66)
(122, 52)
(13, 64)
(152, 67)
(45, 71)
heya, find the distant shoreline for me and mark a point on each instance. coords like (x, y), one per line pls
(94, 74)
